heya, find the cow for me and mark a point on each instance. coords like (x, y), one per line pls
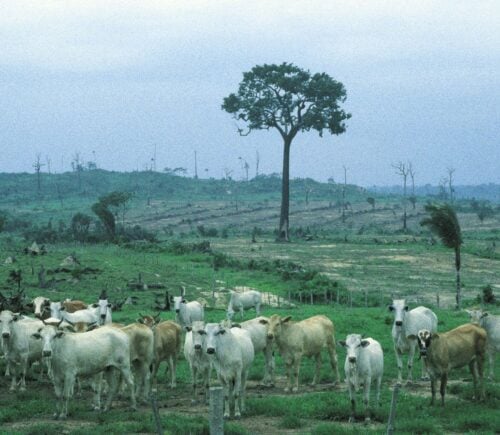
(195, 352)
(464, 345)
(305, 338)
(141, 340)
(99, 313)
(187, 312)
(103, 350)
(364, 363)
(407, 324)
(491, 324)
(167, 346)
(231, 352)
(19, 349)
(244, 301)
(258, 333)
(71, 305)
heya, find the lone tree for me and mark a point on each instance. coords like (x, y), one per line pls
(291, 100)
(444, 223)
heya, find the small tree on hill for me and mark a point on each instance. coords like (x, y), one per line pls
(444, 223)
(291, 100)
(371, 201)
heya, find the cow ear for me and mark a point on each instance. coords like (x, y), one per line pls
(63, 308)
(59, 334)
(469, 312)
(188, 328)
(412, 337)
(263, 321)
(30, 304)
(140, 320)
(222, 331)
(235, 325)
(406, 308)
(183, 300)
(110, 306)
(342, 343)
(15, 317)
(364, 343)
(94, 305)
(36, 335)
(484, 315)
(390, 307)
(286, 319)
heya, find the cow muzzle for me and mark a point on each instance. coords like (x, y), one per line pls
(352, 359)
(270, 336)
(46, 353)
(197, 346)
(399, 323)
(177, 311)
(6, 335)
(210, 350)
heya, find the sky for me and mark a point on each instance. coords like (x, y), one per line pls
(129, 84)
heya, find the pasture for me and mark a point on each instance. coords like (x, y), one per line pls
(319, 410)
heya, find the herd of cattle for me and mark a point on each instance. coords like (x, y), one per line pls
(64, 336)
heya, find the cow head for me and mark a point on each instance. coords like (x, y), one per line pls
(424, 339)
(199, 335)
(214, 332)
(48, 334)
(55, 309)
(178, 301)
(150, 321)
(353, 344)
(275, 325)
(399, 308)
(476, 316)
(6, 319)
(104, 306)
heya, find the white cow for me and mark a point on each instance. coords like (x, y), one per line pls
(244, 301)
(195, 352)
(92, 314)
(187, 312)
(104, 349)
(231, 351)
(491, 324)
(258, 333)
(19, 349)
(364, 363)
(405, 330)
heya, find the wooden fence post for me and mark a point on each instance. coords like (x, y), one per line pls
(216, 416)
(311, 295)
(156, 414)
(392, 414)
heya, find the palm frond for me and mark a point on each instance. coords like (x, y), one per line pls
(444, 223)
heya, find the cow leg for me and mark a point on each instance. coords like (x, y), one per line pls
(69, 381)
(206, 382)
(269, 369)
(491, 359)
(411, 355)
(296, 370)
(172, 366)
(154, 373)
(194, 374)
(399, 362)
(317, 373)
(442, 390)
(58, 389)
(433, 390)
(333, 359)
(112, 378)
(352, 396)
(97, 387)
(288, 372)
(237, 395)
(257, 310)
(379, 383)
(243, 388)
(480, 370)
(226, 388)
(366, 397)
(129, 379)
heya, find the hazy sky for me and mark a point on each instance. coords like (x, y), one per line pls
(112, 79)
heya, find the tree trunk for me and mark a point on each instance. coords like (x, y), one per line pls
(283, 235)
(459, 289)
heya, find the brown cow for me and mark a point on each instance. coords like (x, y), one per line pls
(464, 345)
(304, 338)
(167, 345)
(73, 305)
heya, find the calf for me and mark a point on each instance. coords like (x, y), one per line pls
(364, 363)
(104, 349)
(464, 345)
(167, 346)
(244, 301)
(231, 351)
(406, 325)
(304, 338)
(41, 307)
(491, 324)
(195, 352)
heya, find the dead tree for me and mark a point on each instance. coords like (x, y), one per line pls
(38, 169)
(403, 170)
(413, 198)
(450, 183)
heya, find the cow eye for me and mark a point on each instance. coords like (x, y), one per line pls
(202, 332)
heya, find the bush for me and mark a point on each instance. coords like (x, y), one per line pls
(488, 295)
